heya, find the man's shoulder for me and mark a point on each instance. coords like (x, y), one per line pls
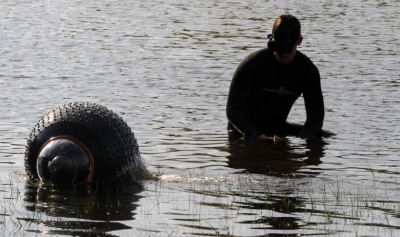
(261, 54)
(306, 66)
(304, 59)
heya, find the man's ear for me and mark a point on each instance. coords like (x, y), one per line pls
(299, 40)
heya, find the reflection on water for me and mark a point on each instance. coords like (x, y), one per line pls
(89, 208)
(166, 67)
(270, 158)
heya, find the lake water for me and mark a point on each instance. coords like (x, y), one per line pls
(165, 67)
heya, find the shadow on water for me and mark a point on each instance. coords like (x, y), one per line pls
(277, 204)
(275, 159)
(91, 210)
(285, 161)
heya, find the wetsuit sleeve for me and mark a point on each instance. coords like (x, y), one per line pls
(238, 92)
(314, 105)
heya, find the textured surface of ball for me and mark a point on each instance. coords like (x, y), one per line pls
(108, 139)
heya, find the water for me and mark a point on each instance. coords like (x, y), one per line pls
(165, 67)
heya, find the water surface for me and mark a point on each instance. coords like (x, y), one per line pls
(165, 67)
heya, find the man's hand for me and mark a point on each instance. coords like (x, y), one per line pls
(272, 139)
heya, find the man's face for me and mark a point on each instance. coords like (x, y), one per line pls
(284, 49)
(286, 58)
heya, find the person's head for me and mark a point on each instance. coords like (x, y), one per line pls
(286, 36)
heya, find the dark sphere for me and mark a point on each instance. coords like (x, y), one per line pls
(83, 142)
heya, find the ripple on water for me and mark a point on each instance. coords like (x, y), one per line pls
(165, 66)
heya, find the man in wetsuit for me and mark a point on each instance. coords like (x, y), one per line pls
(268, 82)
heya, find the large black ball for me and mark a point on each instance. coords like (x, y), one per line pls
(107, 148)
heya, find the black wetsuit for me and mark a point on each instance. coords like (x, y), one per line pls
(262, 93)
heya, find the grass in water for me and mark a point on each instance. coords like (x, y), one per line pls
(240, 205)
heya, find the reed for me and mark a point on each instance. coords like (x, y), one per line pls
(197, 204)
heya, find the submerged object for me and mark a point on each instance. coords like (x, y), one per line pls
(83, 143)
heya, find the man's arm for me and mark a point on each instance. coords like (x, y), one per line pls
(314, 104)
(238, 93)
